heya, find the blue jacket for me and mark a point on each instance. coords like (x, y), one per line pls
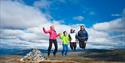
(82, 35)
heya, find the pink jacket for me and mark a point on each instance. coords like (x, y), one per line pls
(52, 33)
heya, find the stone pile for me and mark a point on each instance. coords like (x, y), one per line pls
(35, 56)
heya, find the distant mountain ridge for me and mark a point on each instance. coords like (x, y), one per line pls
(25, 51)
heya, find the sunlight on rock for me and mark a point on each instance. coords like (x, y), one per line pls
(33, 57)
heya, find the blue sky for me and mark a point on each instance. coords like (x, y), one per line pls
(21, 22)
(93, 11)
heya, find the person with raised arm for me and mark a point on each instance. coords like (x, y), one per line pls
(52, 39)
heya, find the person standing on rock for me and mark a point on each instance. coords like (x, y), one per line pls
(82, 37)
(65, 41)
(52, 39)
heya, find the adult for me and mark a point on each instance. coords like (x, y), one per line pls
(72, 39)
(82, 37)
(52, 39)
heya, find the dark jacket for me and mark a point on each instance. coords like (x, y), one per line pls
(82, 35)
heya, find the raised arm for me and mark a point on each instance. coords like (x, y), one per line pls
(60, 36)
(45, 31)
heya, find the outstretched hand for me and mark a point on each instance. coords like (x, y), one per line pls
(43, 28)
(59, 34)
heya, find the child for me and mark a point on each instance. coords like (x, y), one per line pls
(65, 40)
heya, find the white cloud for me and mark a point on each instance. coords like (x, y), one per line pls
(117, 15)
(42, 4)
(32, 21)
(114, 33)
(79, 18)
(16, 15)
(114, 25)
(92, 13)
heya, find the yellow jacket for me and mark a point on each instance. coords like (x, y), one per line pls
(65, 39)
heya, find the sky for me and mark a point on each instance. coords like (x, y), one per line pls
(21, 22)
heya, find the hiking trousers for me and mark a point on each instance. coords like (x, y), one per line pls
(52, 41)
(65, 49)
(73, 45)
(82, 44)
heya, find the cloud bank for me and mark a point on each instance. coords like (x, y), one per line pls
(21, 27)
(16, 15)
